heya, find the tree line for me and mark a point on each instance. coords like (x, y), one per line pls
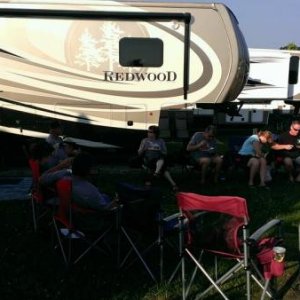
(290, 46)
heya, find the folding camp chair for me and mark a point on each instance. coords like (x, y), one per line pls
(67, 231)
(144, 227)
(39, 205)
(221, 230)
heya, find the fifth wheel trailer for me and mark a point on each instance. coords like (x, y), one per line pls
(106, 69)
(274, 75)
(273, 84)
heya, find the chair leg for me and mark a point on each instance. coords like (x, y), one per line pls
(206, 274)
(91, 244)
(299, 238)
(257, 280)
(265, 289)
(66, 261)
(222, 279)
(194, 274)
(34, 217)
(138, 254)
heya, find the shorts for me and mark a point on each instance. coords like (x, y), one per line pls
(244, 159)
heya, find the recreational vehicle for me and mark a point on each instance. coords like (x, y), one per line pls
(273, 76)
(273, 84)
(106, 69)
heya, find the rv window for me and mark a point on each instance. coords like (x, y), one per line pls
(294, 66)
(141, 52)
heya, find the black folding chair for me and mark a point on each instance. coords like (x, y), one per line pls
(144, 227)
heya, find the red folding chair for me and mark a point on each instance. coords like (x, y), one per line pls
(220, 229)
(37, 198)
(67, 230)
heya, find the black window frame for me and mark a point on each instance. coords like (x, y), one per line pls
(294, 70)
(141, 57)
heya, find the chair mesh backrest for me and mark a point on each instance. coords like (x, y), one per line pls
(35, 171)
(218, 229)
(141, 205)
(64, 192)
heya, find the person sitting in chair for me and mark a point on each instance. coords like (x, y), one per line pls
(84, 193)
(288, 147)
(203, 151)
(253, 157)
(153, 150)
(55, 140)
(71, 149)
(42, 152)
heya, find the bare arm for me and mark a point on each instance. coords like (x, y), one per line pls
(65, 164)
(257, 149)
(142, 149)
(277, 146)
(198, 146)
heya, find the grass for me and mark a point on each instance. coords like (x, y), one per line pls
(31, 269)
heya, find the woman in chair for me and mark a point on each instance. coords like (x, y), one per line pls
(153, 150)
(252, 156)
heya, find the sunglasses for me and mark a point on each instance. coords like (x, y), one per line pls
(211, 136)
(150, 131)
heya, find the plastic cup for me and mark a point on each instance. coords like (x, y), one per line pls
(279, 253)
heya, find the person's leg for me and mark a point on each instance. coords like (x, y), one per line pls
(297, 167)
(253, 165)
(217, 161)
(204, 163)
(170, 179)
(159, 165)
(262, 170)
(288, 164)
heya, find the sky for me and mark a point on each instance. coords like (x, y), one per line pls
(267, 23)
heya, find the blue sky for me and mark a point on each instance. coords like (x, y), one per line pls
(267, 23)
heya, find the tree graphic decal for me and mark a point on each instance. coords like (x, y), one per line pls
(111, 34)
(89, 53)
(95, 50)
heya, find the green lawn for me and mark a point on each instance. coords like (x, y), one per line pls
(30, 267)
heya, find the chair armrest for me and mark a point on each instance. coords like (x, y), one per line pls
(171, 217)
(263, 229)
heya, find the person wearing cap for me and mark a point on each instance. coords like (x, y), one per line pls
(203, 152)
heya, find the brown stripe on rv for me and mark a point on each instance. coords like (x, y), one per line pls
(50, 98)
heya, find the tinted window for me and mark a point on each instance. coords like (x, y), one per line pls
(141, 52)
(294, 67)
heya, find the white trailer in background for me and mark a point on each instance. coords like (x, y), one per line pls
(106, 69)
(273, 84)
(273, 76)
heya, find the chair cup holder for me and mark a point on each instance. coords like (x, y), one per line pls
(277, 268)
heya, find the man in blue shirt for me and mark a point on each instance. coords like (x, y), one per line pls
(202, 147)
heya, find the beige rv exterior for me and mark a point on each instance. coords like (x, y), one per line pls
(60, 60)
